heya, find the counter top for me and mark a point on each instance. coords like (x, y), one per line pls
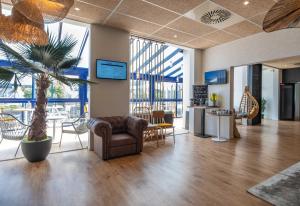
(203, 107)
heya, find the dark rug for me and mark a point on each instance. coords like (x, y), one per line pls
(282, 189)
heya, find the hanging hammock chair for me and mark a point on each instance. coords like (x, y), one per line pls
(249, 106)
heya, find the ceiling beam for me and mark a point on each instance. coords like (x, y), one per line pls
(142, 50)
(174, 64)
(174, 72)
(165, 60)
(156, 54)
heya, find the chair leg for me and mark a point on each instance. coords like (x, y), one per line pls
(157, 137)
(174, 134)
(18, 149)
(80, 140)
(60, 138)
(1, 140)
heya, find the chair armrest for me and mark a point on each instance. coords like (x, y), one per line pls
(67, 124)
(100, 128)
(136, 127)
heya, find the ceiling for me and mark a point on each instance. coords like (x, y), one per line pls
(285, 63)
(176, 21)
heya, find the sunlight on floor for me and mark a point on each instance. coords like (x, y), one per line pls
(69, 142)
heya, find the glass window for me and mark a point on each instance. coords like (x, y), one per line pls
(60, 90)
(23, 91)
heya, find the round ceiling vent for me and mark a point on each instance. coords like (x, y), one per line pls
(215, 16)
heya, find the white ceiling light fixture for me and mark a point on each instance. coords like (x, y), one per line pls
(246, 3)
(77, 9)
(214, 15)
(175, 36)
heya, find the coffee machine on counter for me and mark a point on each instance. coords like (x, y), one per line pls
(200, 95)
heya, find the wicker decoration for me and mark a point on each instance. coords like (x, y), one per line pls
(284, 14)
(27, 31)
(52, 10)
(249, 107)
(17, 28)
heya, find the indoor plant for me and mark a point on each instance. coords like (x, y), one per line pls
(213, 98)
(263, 107)
(44, 63)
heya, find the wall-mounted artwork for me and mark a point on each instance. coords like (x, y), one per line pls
(216, 77)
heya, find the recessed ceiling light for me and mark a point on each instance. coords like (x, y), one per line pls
(77, 9)
(175, 36)
(246, 3)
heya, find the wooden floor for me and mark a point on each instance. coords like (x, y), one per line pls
(194, 172)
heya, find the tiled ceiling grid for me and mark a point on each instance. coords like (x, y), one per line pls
(171, 20)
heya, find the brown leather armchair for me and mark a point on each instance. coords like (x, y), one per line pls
(117, 136)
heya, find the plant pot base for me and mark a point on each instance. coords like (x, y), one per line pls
(36, 151)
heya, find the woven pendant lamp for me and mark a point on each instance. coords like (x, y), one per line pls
(283, 15)
(52, 10)
(17, 28)
(27, 31)
(6, 27)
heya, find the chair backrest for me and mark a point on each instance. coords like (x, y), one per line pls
(142, 112)
(118, 123)
(11, 128)
(81, 125)
(158, 117)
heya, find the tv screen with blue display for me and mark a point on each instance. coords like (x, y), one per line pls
(216, 77)
(106, 69)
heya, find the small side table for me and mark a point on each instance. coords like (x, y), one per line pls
(150, 132)
(219, 138)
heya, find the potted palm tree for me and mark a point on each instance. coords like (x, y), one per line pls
(44, 63)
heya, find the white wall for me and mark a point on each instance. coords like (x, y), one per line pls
(253, 49)
(270, 92)
(108, 97)
(192, 74)
(240, 81)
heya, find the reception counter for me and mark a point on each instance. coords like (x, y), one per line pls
(203, 124)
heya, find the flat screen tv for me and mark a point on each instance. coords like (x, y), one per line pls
(106, 69)
(216, 77)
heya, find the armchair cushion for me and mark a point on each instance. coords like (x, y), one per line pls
(118, 124)
(122, 139)
(136, 126)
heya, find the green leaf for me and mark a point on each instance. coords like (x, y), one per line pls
(7, 75)
(20, 60)
(68, 63)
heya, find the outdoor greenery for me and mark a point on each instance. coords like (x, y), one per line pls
(263, 107)
(46, 64)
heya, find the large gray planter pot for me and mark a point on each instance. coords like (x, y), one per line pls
(36, 151)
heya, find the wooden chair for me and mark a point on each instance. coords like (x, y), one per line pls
(151, 132)
(158, 118)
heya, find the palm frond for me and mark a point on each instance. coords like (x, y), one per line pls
(19, 61)
(53, 53)
(68, 63)
(69, 81)
(7, 75)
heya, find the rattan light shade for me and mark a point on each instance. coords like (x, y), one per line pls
(27, 31)
(284, 14)
(17, 28)
(52, 10)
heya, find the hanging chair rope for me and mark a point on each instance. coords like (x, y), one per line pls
(249, 106)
